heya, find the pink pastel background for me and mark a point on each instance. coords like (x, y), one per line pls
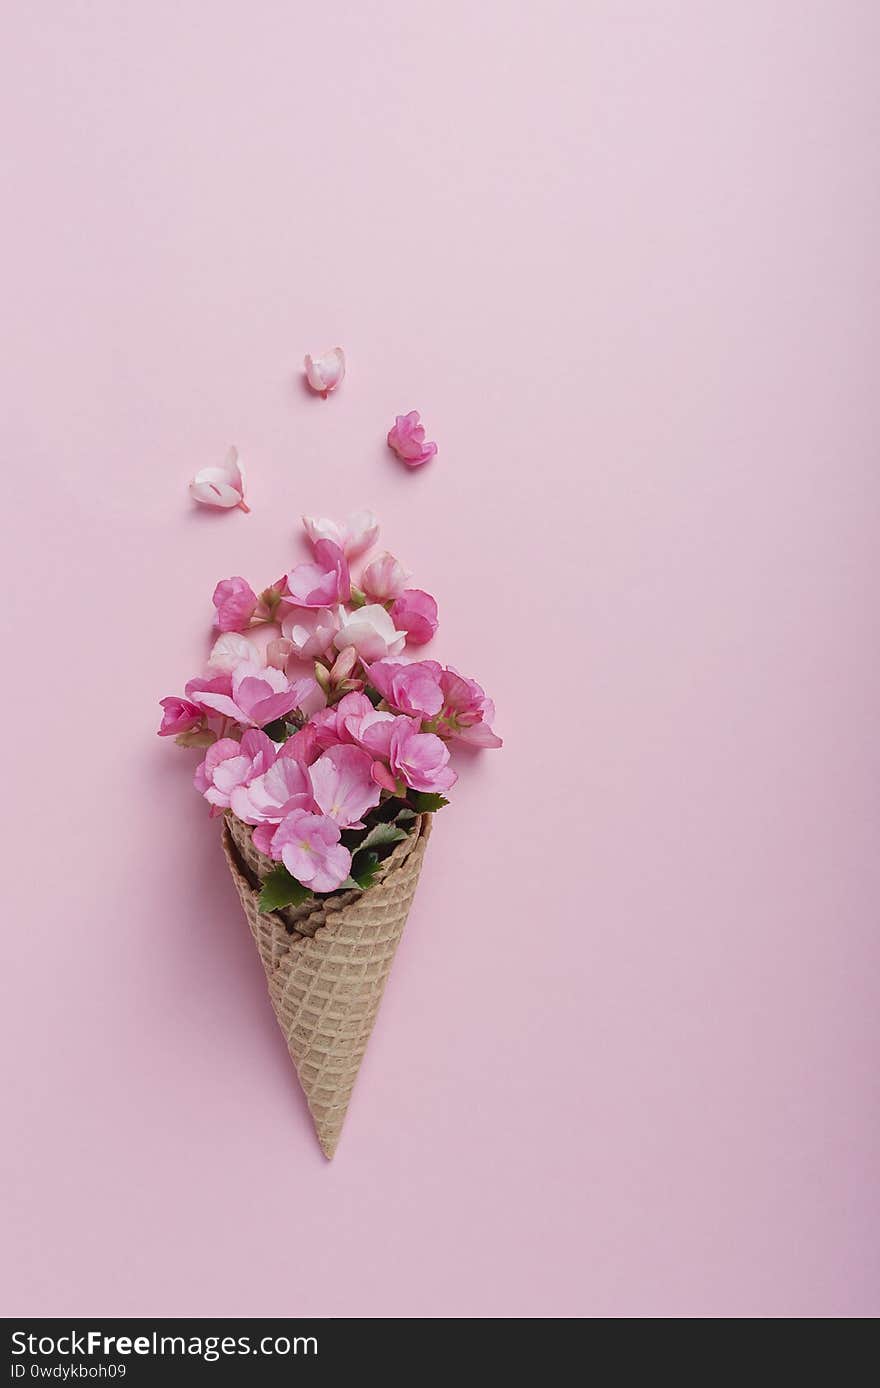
(623, 257)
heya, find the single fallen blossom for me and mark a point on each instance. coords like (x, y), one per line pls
(407, 440)
(354, 536)
(221, 486)
(325, 372)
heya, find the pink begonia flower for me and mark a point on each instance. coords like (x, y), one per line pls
(310, 630)
(229, 650)
(346, 722)
(407, 440)
(217, 684)
(221, 486)
(384, 578)
(236, 602)
(179, 715)
(309, 847)
(421, 759)
(467, 712)
(229, 764)
(325, 372)
(371, 631)
(312, 697)
(415, 612)
(324, 582)
(304, 744)
(354, 715)
(278, 652)
(353, 536)
(410, 688)
(343, 786)
(384, 778)
(259, 695)
(325, 729)
(283, 786)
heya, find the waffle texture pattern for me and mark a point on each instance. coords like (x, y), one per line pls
(327, 966)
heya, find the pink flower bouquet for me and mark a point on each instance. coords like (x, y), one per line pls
(326, 750)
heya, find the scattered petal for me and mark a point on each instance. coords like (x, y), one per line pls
(325, 372)
(222, 486)
(407, 440)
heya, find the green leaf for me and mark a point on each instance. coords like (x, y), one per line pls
(405, 816)
(280, 888)
(373, 695)
(363, 869)
(427, 802)
(382, 834)
(277, 730)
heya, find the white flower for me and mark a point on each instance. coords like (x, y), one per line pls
(371, 631)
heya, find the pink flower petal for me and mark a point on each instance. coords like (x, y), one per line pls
(220, 486)
(325, 372)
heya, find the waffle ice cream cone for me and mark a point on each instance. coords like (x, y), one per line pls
(327, 966)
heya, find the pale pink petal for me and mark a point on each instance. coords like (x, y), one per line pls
(384, 578)
(480, 735)
(324, 582)
(221, 703)
(342, 784)
(278, 652)
(353, 536)
(267, 710)
(228, 651)
(263, 836)
(415, 612)
(325, 372)
(361, 533)
(371, 631)
(333, 869)
(310, 630)
(220, 486)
